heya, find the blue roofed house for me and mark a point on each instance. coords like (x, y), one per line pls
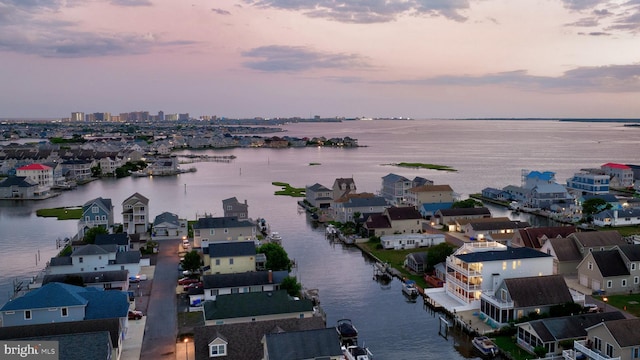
(545, 196)
(534, 178)
(96, 212)
(430, 198)
(222, 229)
(58, 302)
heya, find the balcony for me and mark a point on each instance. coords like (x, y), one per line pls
(579, 349)
(463, 270)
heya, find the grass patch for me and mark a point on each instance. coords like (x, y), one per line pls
(289, 190)
(314, 164)
(508, 345)
(425, 166)
(395, 259)
(62, 213)
(628, 303)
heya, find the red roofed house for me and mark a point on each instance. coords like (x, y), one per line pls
(41, 174)
(621, 175)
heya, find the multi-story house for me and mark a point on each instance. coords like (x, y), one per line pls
(450, 217)
(319, 196)
(430, 198)
(109, 165)
(395, 186)
(347, 207)
(342, 187)
(588, 183)
(236, 283)
(621, 175)
(479, 267)
(135, 214)
(91, 258)
(545, 196)
(612, 339)
(106, 280)
(535, 237)
(628, 217)
(615, 271)
(394, 220)
(41, 174)
(222, 229)
(232, 207)
(18, 187)
(79, 170)
(96, 212)
(229, 257)
(531, 179)
(168, 224)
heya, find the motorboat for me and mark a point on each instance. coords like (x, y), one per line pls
(347, 332)
(355, 352)
(485, 346)
(274, 237)
(409, 288)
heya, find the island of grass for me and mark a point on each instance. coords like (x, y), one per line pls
(289, 190)
(314, 163)
(62, 213)
(425, 166)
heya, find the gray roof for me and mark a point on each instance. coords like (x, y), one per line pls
(403, 213)
(309, 344)
(61, 261)
(104, 203)
(538, 291)
(250, 278)
(93, 249)
(128, 257)
(166, 217)
(465, 211)
(598, 238)
(83, 346)
(137, 196)
(365, 202)
(610, 263)
(238, 248)
(418, 257)
(632, 252)
(511, 253)
(90, 277)
(394, 178)
(626, 332)
(221, 223)
(565, 249)
(118, 239)
(19, 181)
(570, 327)
(498, 225)
(318, 187)
(231, 306)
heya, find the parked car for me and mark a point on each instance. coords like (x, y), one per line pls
(193, 285)
(187, 281)
(135, 315)
(134, 279)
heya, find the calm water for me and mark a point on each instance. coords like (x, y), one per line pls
(485, 153)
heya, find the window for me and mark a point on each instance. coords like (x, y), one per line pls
(231, 261)
(64, 312)
(213, 292)
(95, 209)
(590, 265)
(609, 284)
(97, 217)
(597, 343)
(217, 262)
(624, 283)
(27, 314)
(635, 353)
(212, 231)
(636, 280)
(217, 350)
(80, 260)
(633, 266)
(609, 350)
(226, 231)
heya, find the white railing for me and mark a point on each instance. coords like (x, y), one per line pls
(580, 347)
(465, 271)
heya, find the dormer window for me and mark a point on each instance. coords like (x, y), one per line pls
(218, 348)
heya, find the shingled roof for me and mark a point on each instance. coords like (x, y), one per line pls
(626, 332)
(531, 236)
(610, 263)
(538, 290)
(230, 306)
(309, 344)
(570, 327)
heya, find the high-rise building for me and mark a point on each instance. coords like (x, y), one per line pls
(77, 116)
(160, 115)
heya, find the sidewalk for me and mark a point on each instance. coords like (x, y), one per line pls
(185, 350)
(132, 342)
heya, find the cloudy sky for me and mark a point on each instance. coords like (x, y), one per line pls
(283, 58)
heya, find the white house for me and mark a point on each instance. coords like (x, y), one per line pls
(410, 241)
(135, 214)
(627, 217)
(41, 174)
(91, 258)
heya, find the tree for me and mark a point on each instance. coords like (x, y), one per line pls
(437, 254)
(90, 234)
(191, 261)
(277, 258)
(468, 203)
(291, 284)
(594, 206)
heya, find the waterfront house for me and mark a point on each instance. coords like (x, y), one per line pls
(395, 186)
(106, 280)
(550, 332)
(516, 298)
(531, 179)
(244, 340)
(609, 199)
(616, 271)
(232, 207)
(430, 198)
(481, 266)
(629, 217)
(345, 208)
(544, 196)
(229, 257)
(96, 212)
(235, 283)
(411, 241)
(588, 183)
(416, 262)
(613, 339)
(18, 187)
(621, 175)
(222, 229)
(79, 169)
(308, 344)
(135, 214)
(58, 302)
(394, 220)
(120, 240)
(318, 196)
(163, 166)
(40, 174)
(495, 194)
(108, 165)
(535, 237)
(169, 225)
(448, 217)
(566, 255)
(517, 193)
(482, 228)
(342, 187)
(91, 258)
(256, 306)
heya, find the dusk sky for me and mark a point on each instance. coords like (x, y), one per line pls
(285, 58)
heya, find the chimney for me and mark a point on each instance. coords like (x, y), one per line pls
(270, 277)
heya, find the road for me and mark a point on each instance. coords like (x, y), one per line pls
(161, 329)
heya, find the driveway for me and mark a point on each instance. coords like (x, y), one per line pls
(161, 329)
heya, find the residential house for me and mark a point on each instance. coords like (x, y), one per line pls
(531, 179)
(18, 187)
(135, 214)
(236, 283)
(588, 241)
(430, 198)
(244, 340)
(588, 183)
(394, 220)
(627, 217)
(91, 258)
(79, 170)
(318, 196)
(96, 212)
(108, 165)
(395, 186)
(169, 225)
(448, 217)
(477, 267)
(535, 237)
(621, 174)
(41, 174)
(209, 230)
(411, 241)
(106, 280)
(612, 339)
(256, 306)
(416, 262)
(232, 207)
(58, 302)
(517, 193)
(299, 345)
(229, 257)
(481, 228)
(121, 240)
(616, 271)
(544, 196)
(163, 166)
(516, 298)
(346, 208)
(610, 200)
(550, 332)
(566, 255)
(496, 194)
(342, 187)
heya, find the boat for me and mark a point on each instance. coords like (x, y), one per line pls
(274, 237)
(485, 346)
(355, 352)
(331, 231)
(347, 332)
(409, 288)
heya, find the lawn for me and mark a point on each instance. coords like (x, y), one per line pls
(289, 190)
(395, 258)
(628, 303)
(425, 166)
(62, 213)
(508, 345)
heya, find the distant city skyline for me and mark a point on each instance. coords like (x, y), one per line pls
(276, 58)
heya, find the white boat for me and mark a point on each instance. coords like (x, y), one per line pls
(331, 230)
(274, 237)
(485, 346)
(355, 352)
(409, 288)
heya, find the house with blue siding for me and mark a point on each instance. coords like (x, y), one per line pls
(544, 196)
(395, 186)
(346, 208)
(496, 194)
(96, 212)
(588, 183)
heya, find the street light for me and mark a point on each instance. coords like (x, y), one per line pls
(186, 353)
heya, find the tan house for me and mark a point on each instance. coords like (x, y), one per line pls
(222, 229)
(615, 271)
(429, 194)
(342, 187)
(395, 220)
(614, 339)
(229, 257)
(566, 255)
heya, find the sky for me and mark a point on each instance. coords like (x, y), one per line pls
(331, 58)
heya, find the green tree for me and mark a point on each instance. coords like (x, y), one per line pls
(277, 258)
(437, 254)
(594, 206)
(90, 234)
(291, 284)
(191, 261)
(468, 203)
(540, 351)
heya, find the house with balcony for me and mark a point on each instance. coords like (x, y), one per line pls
(79, 170)
(546, 196)
(482, 266)
(135, 214)
(516, 298)
(318, 196)
(394, 220)
(611, 339)
(449, 217)
(395, 186)
(92, 258)
(621, 175)
(345, 208)
(40, 174)
(209, 230)
(588, 183)
(233, 207)
(96, 212)
(229, 257)
(430, 198)
(108, 165)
